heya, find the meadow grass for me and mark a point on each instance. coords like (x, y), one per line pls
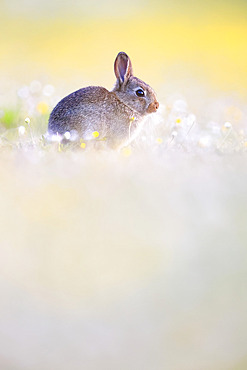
(130, 259)
(124, 260)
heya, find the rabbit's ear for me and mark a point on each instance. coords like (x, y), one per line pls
(123, 67)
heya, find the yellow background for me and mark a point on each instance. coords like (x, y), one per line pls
(167, 41)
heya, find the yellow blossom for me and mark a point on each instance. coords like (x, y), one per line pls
(159, 140)
(95, 134)
(42, 107)
(127, 151)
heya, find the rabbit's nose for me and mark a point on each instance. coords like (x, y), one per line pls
(156, 104)
(153, 107)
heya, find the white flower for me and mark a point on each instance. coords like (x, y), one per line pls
(67, 135)
(56, 138)
(48, 90)
(23, 92)
(227, 125)
(27, 120)
(21, 130)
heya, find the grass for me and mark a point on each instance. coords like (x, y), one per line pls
(133, 259)
(119, 260)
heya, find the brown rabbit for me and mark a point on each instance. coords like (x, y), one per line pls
(116, 115)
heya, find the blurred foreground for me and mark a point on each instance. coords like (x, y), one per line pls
(130, 260)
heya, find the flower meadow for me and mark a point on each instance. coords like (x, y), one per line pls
(130, 259)
(184, 123)
(134, 258)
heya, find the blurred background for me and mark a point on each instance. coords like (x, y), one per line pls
(133, 259)
(180, 41)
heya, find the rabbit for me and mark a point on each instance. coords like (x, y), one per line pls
(116, 115)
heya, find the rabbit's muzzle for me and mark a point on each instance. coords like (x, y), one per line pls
(153, 107)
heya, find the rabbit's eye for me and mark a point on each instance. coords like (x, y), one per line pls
(140, 93)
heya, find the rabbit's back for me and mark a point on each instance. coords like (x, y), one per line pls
(77, 110)
(93, 108)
